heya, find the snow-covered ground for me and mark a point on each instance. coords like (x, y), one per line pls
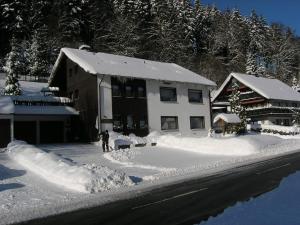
(34, 183)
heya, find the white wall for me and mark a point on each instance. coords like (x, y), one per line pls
(183, 109)
(105, 100)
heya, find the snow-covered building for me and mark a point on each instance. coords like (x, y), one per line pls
(33, 117)
(132, 95)
(267, 100)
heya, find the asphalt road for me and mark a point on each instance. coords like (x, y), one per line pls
(189, 202)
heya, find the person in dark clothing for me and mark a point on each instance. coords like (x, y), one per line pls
(105, 139)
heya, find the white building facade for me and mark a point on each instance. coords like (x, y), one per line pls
(130, 95)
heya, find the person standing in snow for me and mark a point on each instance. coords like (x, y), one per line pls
(105, 139)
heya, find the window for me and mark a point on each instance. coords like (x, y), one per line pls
(76, 94)
(116, 91)
(130, 124)
(169, 123)
(141, 93)
(70, 72)
(143, 122)
(71, 95)
(195, 96)
(129, 91)
(168, 94)
(117, 122)
(197, 122)
(76, 69)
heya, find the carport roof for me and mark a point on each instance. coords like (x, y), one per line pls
(7, 106)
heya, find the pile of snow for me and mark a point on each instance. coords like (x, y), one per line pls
(230, 146)
(51, 167)
(266, 127)
(117, 139)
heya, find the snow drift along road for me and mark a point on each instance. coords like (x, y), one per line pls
(230, 146)
(51, 167)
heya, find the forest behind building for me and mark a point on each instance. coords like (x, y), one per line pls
(199, 37)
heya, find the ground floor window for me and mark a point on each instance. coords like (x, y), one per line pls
(197, 122)
(169, 123)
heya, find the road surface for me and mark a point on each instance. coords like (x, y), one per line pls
(189, 202)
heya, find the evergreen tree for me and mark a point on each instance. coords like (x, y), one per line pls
(12, 68)
(70, 22)
(236, 107)
(15, 17)
(251, 64)
(295, 83)
(39, 55)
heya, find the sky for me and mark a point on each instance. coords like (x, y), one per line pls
(284, 11)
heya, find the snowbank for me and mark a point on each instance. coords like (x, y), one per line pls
(51, 167)
(117, 139)
(231, 146)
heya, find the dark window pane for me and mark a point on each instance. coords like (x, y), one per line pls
(116, 91)
(129, 91)
(195, 96)
(141, 92)
(70, 72)
(169, 123)
(197, 122)
(76, 94)
(117, 122)
(143, 122)
(130, 124)
(168, 94)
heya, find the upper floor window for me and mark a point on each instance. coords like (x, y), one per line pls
(129, 93)
(141, 93)
(116, 91)
(168, 94)
(70, 72)
(195, 96)
(76, 69)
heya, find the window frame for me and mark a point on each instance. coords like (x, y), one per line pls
(195, 90)
(119, 88)
(165, 117)
(132, 91)
(195, 117)
(169, 88)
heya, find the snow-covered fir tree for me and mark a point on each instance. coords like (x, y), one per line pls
(237, 108)
(295, 83)
(15, 15)
(70, 22)
(39, 55)
(251, 64)
(12, 69)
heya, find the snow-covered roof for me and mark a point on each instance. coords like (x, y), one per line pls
(7, 106)
(268, 88)
(115, 65)
(227, 117)
(28, 88)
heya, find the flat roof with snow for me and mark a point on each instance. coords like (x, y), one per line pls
(7, 106)
(28, 88)
(115, 65)
(267, 87)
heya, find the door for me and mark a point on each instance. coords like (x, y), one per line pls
(4, 133)
(25, 131)
(51, 132)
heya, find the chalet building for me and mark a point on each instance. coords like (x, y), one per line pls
(131, 95)
(36, 117)
(267, 101)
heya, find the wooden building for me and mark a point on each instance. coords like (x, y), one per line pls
(267, 101)
(130, 95)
